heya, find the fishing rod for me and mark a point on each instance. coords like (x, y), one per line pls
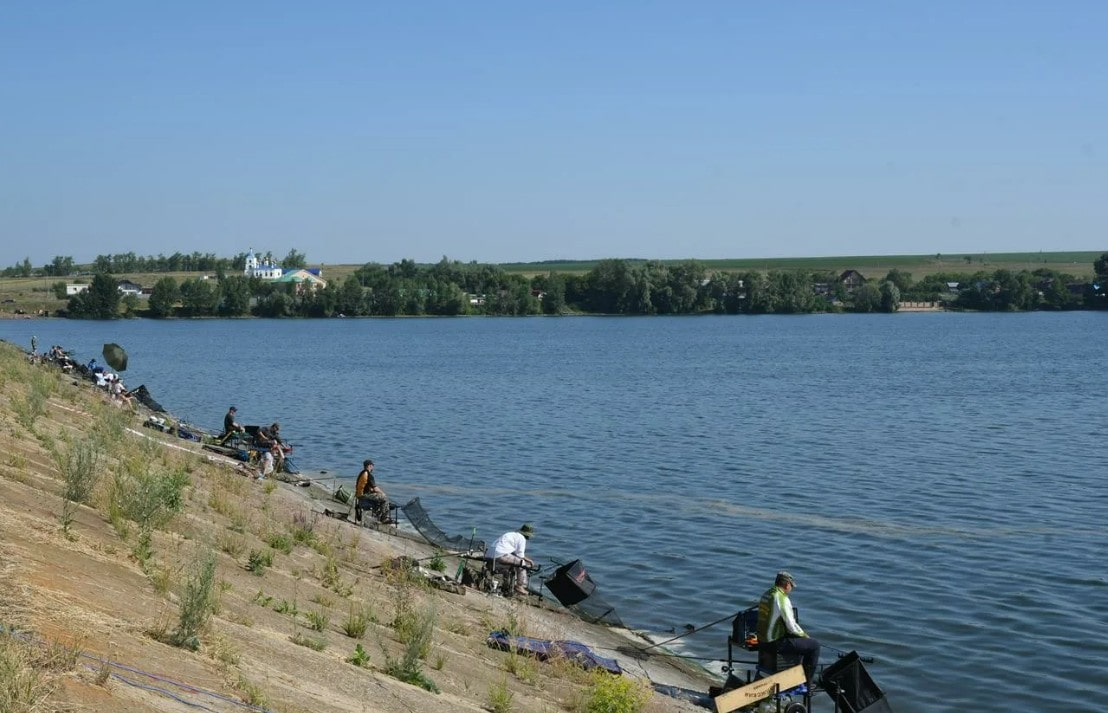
(689, 632)
(692, 631)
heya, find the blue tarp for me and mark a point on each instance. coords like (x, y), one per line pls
(543, 649)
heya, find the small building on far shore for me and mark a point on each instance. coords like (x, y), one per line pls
(305, 280)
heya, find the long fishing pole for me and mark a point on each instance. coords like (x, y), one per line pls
(691, 631)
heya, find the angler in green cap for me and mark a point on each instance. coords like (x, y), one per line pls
(778, 630)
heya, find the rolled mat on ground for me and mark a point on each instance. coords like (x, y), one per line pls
(543, 649)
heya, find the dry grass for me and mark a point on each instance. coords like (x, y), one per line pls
(125, 604)
(24, 683)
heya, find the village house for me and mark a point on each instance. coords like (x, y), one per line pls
(305, 280)
(127, 287)
(852, 280)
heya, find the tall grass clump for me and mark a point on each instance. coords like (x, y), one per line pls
(303, 527)
(357, 620)
(197, 602)
(30, 406)
(317, 620)
(110, 427)
(80, 465)
(146, 492)
(409, 667)
(23, 685)
(500, 697)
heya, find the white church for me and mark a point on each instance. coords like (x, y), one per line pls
(304, 279)
(254, 268)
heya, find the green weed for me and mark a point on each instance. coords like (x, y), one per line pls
(257, 562)
(360, 658)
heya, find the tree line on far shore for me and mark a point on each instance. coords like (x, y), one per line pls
(613, 286)
(122, 263)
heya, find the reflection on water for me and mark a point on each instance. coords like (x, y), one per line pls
(933, 481)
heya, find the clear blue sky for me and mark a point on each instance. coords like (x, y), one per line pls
(513, 131)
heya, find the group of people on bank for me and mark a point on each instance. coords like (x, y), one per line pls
(267, 439)
(779, 632)
(509, 550)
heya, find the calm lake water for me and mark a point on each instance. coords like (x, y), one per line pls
(934, 481)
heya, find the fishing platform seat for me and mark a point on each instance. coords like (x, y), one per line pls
(492, 576)
(379, 516)
(779, 677)
(744, 633)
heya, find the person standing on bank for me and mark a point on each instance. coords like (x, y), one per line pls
(369, 496)
(510, 549)
(778, 630)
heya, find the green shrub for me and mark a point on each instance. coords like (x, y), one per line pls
(408, 667)
(197, 602)
(145, 491)
(437, 563)
(80, 467)
(280, 542)
(251, 693)
(615, 694)
(257, 561)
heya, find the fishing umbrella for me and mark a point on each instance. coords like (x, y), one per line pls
(115, 356)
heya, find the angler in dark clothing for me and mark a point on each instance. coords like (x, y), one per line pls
(230, 426)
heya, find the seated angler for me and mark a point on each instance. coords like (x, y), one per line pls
(269, 437)
(369, 496)
(778, 630)
(510, 549)
(230, 426)
(121, 394)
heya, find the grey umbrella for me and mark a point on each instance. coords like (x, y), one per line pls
(115, 356)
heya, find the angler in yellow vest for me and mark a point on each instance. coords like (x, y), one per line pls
(778, 630)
